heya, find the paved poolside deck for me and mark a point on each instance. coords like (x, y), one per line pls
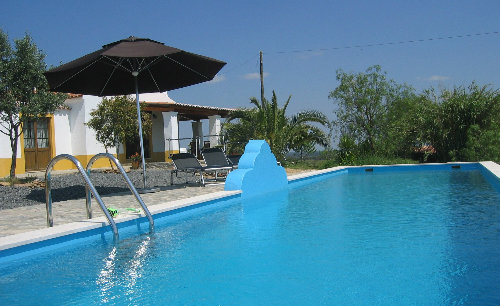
(29, 218)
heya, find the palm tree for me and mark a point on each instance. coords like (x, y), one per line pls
(268, 121)
(306, 136)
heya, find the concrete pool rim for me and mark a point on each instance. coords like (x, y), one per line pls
(13, 245)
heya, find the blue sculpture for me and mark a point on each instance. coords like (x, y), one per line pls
(258, 171)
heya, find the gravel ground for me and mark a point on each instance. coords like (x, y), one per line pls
(72, 186)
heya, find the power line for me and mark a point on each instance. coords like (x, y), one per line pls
(390, 43)
(387, 43)
(254, 57)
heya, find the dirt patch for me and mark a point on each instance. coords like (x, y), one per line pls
(290, 171)
(37, 183)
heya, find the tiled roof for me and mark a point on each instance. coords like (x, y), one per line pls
(72, 96)
(189, 111)
(64, 107)
(192, 106)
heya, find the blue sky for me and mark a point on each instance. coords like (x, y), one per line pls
(235, 32)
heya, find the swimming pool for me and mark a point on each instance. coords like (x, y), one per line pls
(405, 236)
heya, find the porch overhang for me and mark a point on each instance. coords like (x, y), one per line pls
(188, 112)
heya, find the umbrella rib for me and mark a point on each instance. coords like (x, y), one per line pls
(150, 63)
(132, 68)
(154, 80)
(110, 76)
(140, 64)
(189, 68)
(146, 67)
(77, 73)
(117, 64)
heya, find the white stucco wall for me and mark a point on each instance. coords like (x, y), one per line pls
(83, 141)
(62, 132)
(157, 132)
(170, 131)
(71, 135)
(5, 151)
(198, 132)
(214, 129)
(76, 119)
(92, 145)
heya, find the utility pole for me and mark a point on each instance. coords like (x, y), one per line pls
(261, 79)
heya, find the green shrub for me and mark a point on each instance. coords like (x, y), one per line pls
(15, 180)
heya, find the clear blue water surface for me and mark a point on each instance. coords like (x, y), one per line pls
(405, 238)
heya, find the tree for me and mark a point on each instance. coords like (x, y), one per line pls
(268, 121)
(115, 121)
(363, 100)
(304, 136)
(482, 144)
(406, 124)
(465, 123)
(303, 142)
(24, 91)
(238, 133)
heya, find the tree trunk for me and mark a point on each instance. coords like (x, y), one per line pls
(13, 146)
(118, 151)
(110, 163)
(261, 79)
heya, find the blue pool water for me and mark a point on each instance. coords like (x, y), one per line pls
(381, 238)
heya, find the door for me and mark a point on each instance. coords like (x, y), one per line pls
(132, 147)
(36, 144)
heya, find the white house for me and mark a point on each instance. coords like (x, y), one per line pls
(65, 132)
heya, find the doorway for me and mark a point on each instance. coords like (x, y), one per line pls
(36, 144)
(134, 147)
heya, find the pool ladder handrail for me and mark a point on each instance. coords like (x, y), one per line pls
(89, 185)
(127, 180)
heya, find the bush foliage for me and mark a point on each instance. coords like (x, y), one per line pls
(379, 120)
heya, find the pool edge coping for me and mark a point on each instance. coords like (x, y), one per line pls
(20, 239)
(490, 166)
(311, 174)
(17, 240)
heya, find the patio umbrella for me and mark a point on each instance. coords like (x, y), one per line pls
(133, 65)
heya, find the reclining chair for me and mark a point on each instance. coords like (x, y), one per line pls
(215, 157)
(187, 162)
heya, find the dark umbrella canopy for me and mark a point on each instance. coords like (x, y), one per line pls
(108, 71)
(133, 65)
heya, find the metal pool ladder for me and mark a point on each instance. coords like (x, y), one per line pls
(90, 189)
(127, 180)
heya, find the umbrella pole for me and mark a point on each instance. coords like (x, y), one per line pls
(140, 131)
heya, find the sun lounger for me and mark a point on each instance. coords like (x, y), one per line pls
(234, 160)
(215, 157)
(187, 162)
